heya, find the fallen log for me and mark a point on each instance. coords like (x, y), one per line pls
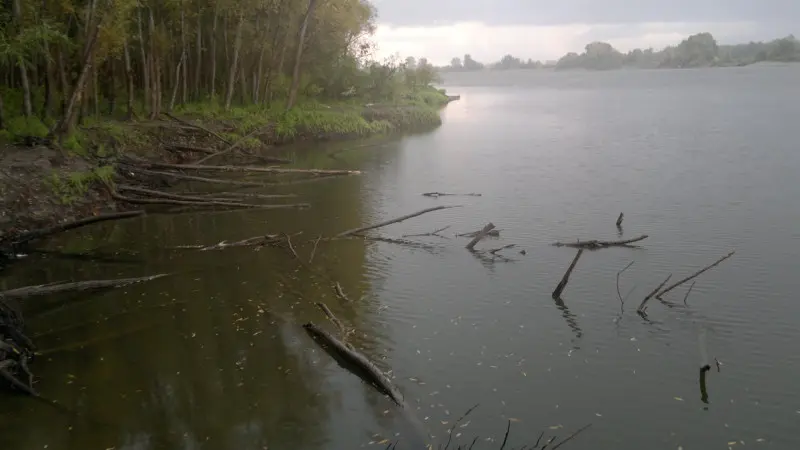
(188, 148)
(245, 195)
(203, 199)
(201, 167)
(230, 147)
(392, 221)
(482, 234)
(43, 232)
(181, 176)
(201, 202)
(34, 291)
(357, 363)
(443, 194)
(565, 279)
(472, 234)
(642, 308)
(696, 274)
(595, 244)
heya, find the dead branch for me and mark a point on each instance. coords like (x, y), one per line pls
(181, 176)
(505, 439)
(696, 274)
(392, 221)
(642, 307)
(340, 292)
(314, 250)
(199, 203)
(442, 194)
(685, 297)
(472, 234)
(291, 247)
(571, 436)
(399, 241)
(619, 220)
(273, 170)
(188, 148)
(481, 234)
(245, 195)
(43, 232)
(565, 279)
(495, 250)
(332, 317)
(33, 291)
(621, 301)
(455, 425)
(249, 242)
(198, 127)
(595, 244)
(230, 147)
(432, 233)
(352, 357)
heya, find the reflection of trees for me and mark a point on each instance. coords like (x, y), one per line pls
(216, 369)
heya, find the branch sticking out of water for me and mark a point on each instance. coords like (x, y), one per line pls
(621, 300)
(481, 234)
(565, 279)
(472, 234)
(332, 317)
(642, 308)
(340, 292)
(432, 233)
(619, 220)
(392, 221)
(686, 297)
(696, 274)
(595, 244)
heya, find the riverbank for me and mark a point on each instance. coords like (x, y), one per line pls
(41, 185)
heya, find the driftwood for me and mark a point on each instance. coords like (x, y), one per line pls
(332, 317)
(696, 274)
(565, 279)
(180, 176)
(340, 292)
(243, 195)
(481, 234)
(33, 291)
(472, 234)
(432, 233)
(442, 194)
(619, 220)
(43, 232)
(274, 170)
(366, 369)
(595, 244)
(642, 308)
(392, 221)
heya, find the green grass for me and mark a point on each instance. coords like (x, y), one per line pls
(73, 186)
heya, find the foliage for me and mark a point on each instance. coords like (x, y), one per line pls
(73, 186)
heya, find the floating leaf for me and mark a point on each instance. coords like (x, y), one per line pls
(678, 399)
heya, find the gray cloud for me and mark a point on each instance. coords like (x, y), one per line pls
(785, 13)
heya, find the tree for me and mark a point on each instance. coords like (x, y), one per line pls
(298, 56)
(455, 63)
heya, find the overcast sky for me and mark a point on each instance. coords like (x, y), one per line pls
(546, 29)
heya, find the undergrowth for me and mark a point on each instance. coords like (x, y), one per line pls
(73, 186)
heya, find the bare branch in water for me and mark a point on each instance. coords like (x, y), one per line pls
(696, 274)
(314, 250)
(481, 234)
(685, 297)
(581, 430)
(455, 425)
(505, 439)
(432, 233)
(340, 292)
(595, 244)
(392, 221)
(565, 279)
(642, 307)
(621, 300)
(619, 220)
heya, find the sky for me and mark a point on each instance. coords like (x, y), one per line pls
(547, 29)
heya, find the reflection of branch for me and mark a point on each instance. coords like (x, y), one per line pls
(581, 430)
(505, 439)
(688, 292)
(595, 244)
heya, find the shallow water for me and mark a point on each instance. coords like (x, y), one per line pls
(214, 357)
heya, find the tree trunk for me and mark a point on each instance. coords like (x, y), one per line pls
(111, 87)
(128, 78)
(49, 82)
(199, 56)
(155, 93)
(27, 108)
(235, 63)
(2, 113)
(95, 92)
(62, 72)
(145, 65)
(301, 37)
(214, 54)
(177, 82)
(243, 83)
(65, 125)
(184, 52)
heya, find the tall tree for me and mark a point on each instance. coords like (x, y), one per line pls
(298, 58)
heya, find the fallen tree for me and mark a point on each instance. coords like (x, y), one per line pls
(32, 235)
(72, 286)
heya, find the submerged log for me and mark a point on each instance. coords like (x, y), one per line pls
(595, 244)
(392, 221)
(44, 232)
(696, 274)
(481, 234)
(565, 279)
(340, 292)
(365, 368)
(48, 289)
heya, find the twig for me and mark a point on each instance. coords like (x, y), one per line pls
(696, 274)
(314, 250)
(42, 232)
(565, 279)
(685, 297)
(432, 233)
(642, 308)
(489, 227)
(392, 221)
(595, 244)
(541, 435)
(32, 291)
(581, 430)
(505, 439)
(331, 317)
(291, 247)
(621, 301)
(340, 292)
(495, 250)
(455, 425)
(619, 220)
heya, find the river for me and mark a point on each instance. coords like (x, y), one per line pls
(214, 357)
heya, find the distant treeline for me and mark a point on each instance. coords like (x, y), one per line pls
(699, 50)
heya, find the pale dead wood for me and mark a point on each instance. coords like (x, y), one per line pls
(332, 317)
(392, 221)
(619, 220)
(33, 291)
(595, 244)
(642, 308)
(273, 170)
(340, 292)
(482, 234)
(245, 195)
(314, 249)
(181, 176)
(432, 233)
(71, 225)
(685, 297)
(565, 279)
(291, 247)
(697, 274)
